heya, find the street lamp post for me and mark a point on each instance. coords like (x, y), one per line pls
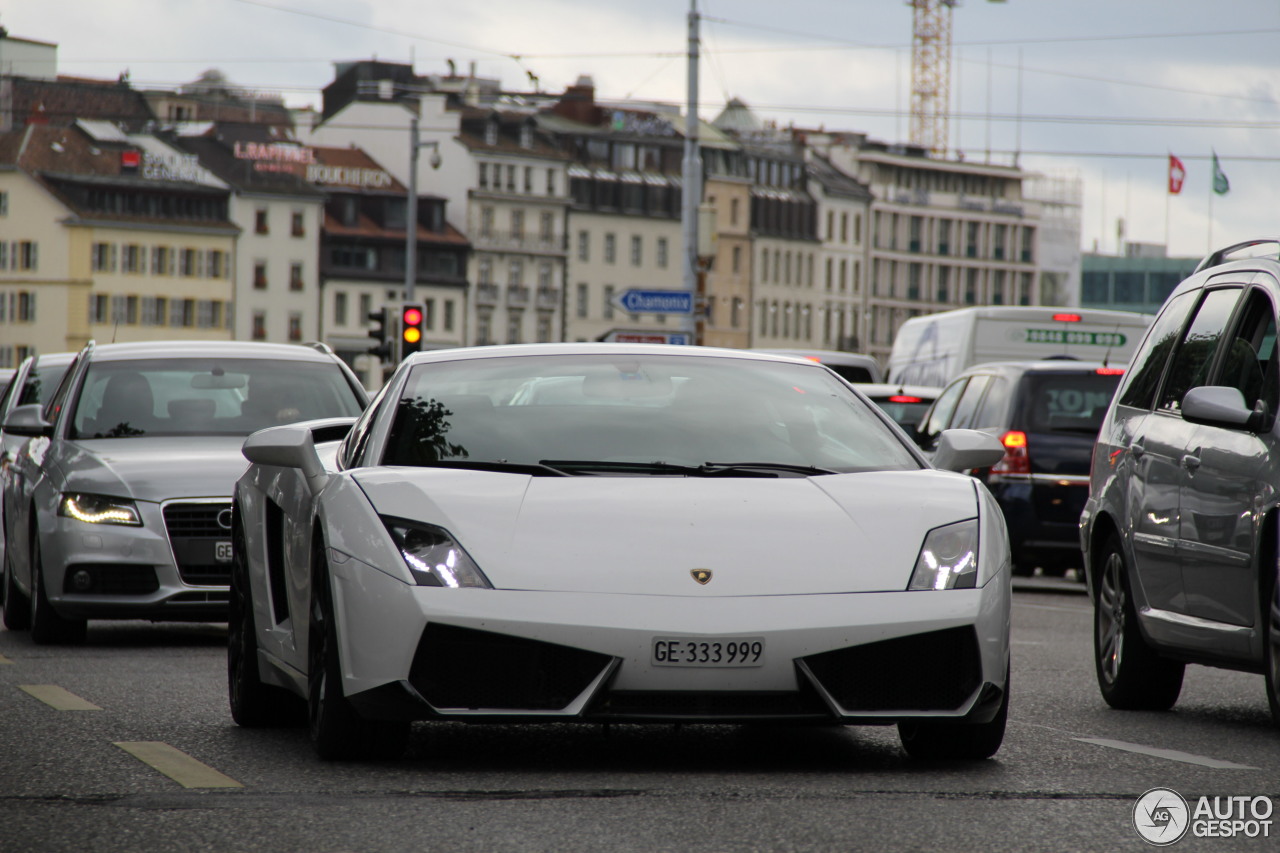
(411, 207)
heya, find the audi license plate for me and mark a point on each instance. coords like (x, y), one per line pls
(708, 651)
(222, 552)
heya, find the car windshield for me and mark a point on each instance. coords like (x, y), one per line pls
(1070, 402)
(206, 396)
(622, 414)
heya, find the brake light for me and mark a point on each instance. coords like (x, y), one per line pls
(1016, 459)
(904, 398)
(1110, 371)
(1066, 318)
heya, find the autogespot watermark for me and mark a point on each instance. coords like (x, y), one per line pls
(1162, 817)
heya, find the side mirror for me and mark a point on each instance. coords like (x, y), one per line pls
(27, 421)
(288, 446)
(963, 449)
(1223, 406)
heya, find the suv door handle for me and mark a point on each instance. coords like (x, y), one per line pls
(1190, 462)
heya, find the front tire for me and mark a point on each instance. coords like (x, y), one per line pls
(48, 627)
(253, 703)
(1131, 676)
(17, 607)
(955, 741)
(338, 733)
(1271, 647)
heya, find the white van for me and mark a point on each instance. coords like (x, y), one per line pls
(933, 348)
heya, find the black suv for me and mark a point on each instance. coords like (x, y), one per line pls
(1180, 530)
(1046, 414)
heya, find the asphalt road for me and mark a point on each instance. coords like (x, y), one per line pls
(126, 744)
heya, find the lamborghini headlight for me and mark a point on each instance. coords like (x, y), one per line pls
(949, 558)
(433, 556)
(99, 509)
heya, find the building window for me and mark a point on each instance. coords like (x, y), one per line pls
(260, 221)
(101, 253)
(584, 245)
(131, 260)
(511, 179)
(486, 222)
(259, 325)
(610, 248)
(188, 262)
(260, 275)
(295, 326)
(484, 176)
(551, 181)
(637, 250)
(513, 328)
(4, 203)
(544, 328)
(516, 272)
(449, 315)
(366, 308)
(297, 225)
(528, 179)
(547, 227)
(98, 308)
(582, 302)
(517, 224)
(28, 256)
(214, 263)
(737, 259)
(607, 307)
(484, 270)
(295, 276)
(661, 252)
(161, 260)
(544, 275)
(340, 308)
(733, 211)
(735, 313)
(484, 333)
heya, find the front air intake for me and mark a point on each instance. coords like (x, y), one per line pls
(465, 669)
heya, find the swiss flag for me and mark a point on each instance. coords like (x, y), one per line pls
(1177, 174)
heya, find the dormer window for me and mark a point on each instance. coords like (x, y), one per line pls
(491, 132)
(526, 136)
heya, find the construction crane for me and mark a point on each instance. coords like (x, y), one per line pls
(931, 73)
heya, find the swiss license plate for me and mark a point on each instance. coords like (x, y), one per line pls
(222, 552)
(708, 651)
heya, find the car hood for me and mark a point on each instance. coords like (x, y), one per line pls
(646, 535)
(154, 469)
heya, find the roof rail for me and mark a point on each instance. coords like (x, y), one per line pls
(1221, 256)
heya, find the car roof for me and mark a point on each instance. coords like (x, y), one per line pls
(512, 350)
(1046, 365)
(888, 389)
(207, 349)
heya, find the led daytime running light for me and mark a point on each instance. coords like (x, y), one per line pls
(95, 510)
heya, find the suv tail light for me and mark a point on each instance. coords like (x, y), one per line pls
(1016, 460)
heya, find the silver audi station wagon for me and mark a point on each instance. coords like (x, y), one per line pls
(1180, 528)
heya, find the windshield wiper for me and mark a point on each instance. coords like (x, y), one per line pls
(586, 466)
(714, 468)
(501, 465)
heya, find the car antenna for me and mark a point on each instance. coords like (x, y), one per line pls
(1115, 333)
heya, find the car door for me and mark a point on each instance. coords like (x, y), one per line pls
(1224, 489)
(1158, 452)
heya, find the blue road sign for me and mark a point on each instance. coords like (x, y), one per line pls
(656, 301)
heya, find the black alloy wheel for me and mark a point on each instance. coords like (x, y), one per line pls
(17, 607)
(1271, 645)
(48, 627)
(956, 741)
(253, 703)
(338, 732)
(1131, 676)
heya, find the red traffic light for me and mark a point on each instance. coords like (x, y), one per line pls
(412, 316)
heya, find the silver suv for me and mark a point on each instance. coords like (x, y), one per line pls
(1180, 528)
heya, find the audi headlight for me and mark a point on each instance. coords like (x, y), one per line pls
(99, 509)
(433, 556)
(949, 558)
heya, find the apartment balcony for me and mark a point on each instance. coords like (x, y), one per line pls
(548, 299)
(517, 296)
(487, 294)
(513, 241)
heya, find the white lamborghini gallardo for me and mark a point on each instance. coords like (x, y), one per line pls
(616, 533)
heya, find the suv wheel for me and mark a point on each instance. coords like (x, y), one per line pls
(1130, 675)
(1271, 647)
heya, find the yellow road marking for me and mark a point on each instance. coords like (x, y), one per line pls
(177, 765)
(58, 698)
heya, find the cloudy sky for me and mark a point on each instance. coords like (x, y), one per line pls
(1098, 89)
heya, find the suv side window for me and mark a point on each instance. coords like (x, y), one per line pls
(54, 406)
(1148, 363)
(1250, 360)
(994, 405)
(967, 408)
(940, 414)
(1191, 361)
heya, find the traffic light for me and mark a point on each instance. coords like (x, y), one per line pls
(412, 321)
(381, 333)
